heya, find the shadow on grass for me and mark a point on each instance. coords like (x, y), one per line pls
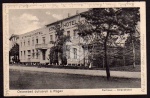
(43, 80)
(118, 68)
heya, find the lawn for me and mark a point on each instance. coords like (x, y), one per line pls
(43, 80)
(129, 68)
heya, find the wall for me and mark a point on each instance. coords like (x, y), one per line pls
(68, 24)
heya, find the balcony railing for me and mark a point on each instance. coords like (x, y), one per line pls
(41, 46)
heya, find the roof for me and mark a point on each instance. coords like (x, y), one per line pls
(13, 35)
(51, 24)
(65, 19)
(62, 20)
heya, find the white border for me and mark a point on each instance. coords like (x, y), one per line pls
(133, 91)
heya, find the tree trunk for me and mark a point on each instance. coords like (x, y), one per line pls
(105, 53)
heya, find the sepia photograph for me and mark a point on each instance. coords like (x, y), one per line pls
(74, 49)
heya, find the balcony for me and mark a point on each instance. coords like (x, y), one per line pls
(41, 46)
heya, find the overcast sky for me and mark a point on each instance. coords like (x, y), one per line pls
(24, 20)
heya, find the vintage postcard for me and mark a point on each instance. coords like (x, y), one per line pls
(63, 49)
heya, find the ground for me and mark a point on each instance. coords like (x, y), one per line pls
(42, 80)
(129, 68)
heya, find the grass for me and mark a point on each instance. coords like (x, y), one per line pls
(118, 68)
(127, 68)
(43, 80)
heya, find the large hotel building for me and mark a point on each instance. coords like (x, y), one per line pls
(34, 46)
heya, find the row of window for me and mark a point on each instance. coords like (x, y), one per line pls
(74, 33)
(23, 43)
(34, 54)
(74, 52)
(14, 39)
(43, 39)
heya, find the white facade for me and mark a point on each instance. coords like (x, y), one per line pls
(35, 45)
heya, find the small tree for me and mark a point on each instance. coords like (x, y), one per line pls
(132, 50)
(89, 41)
(15, 52)
(57, 51)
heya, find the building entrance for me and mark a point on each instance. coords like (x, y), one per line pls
(43, 54)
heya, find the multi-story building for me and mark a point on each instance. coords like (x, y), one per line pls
(35, 46)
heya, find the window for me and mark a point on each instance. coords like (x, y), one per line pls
(28, 42)
(24, 54)
(37, 54)
(36, 40)
(29, 52)
(44, 55)
(24, 43)
(68, 33)
(75, 53)
(21, 54)
(43, 40)
(33, 41)
(68, 51)
(51, 37)
(74, 33)
(32, 53)
(51, 28)
(21, 44)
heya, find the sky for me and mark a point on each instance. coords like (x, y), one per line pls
(25, 20)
